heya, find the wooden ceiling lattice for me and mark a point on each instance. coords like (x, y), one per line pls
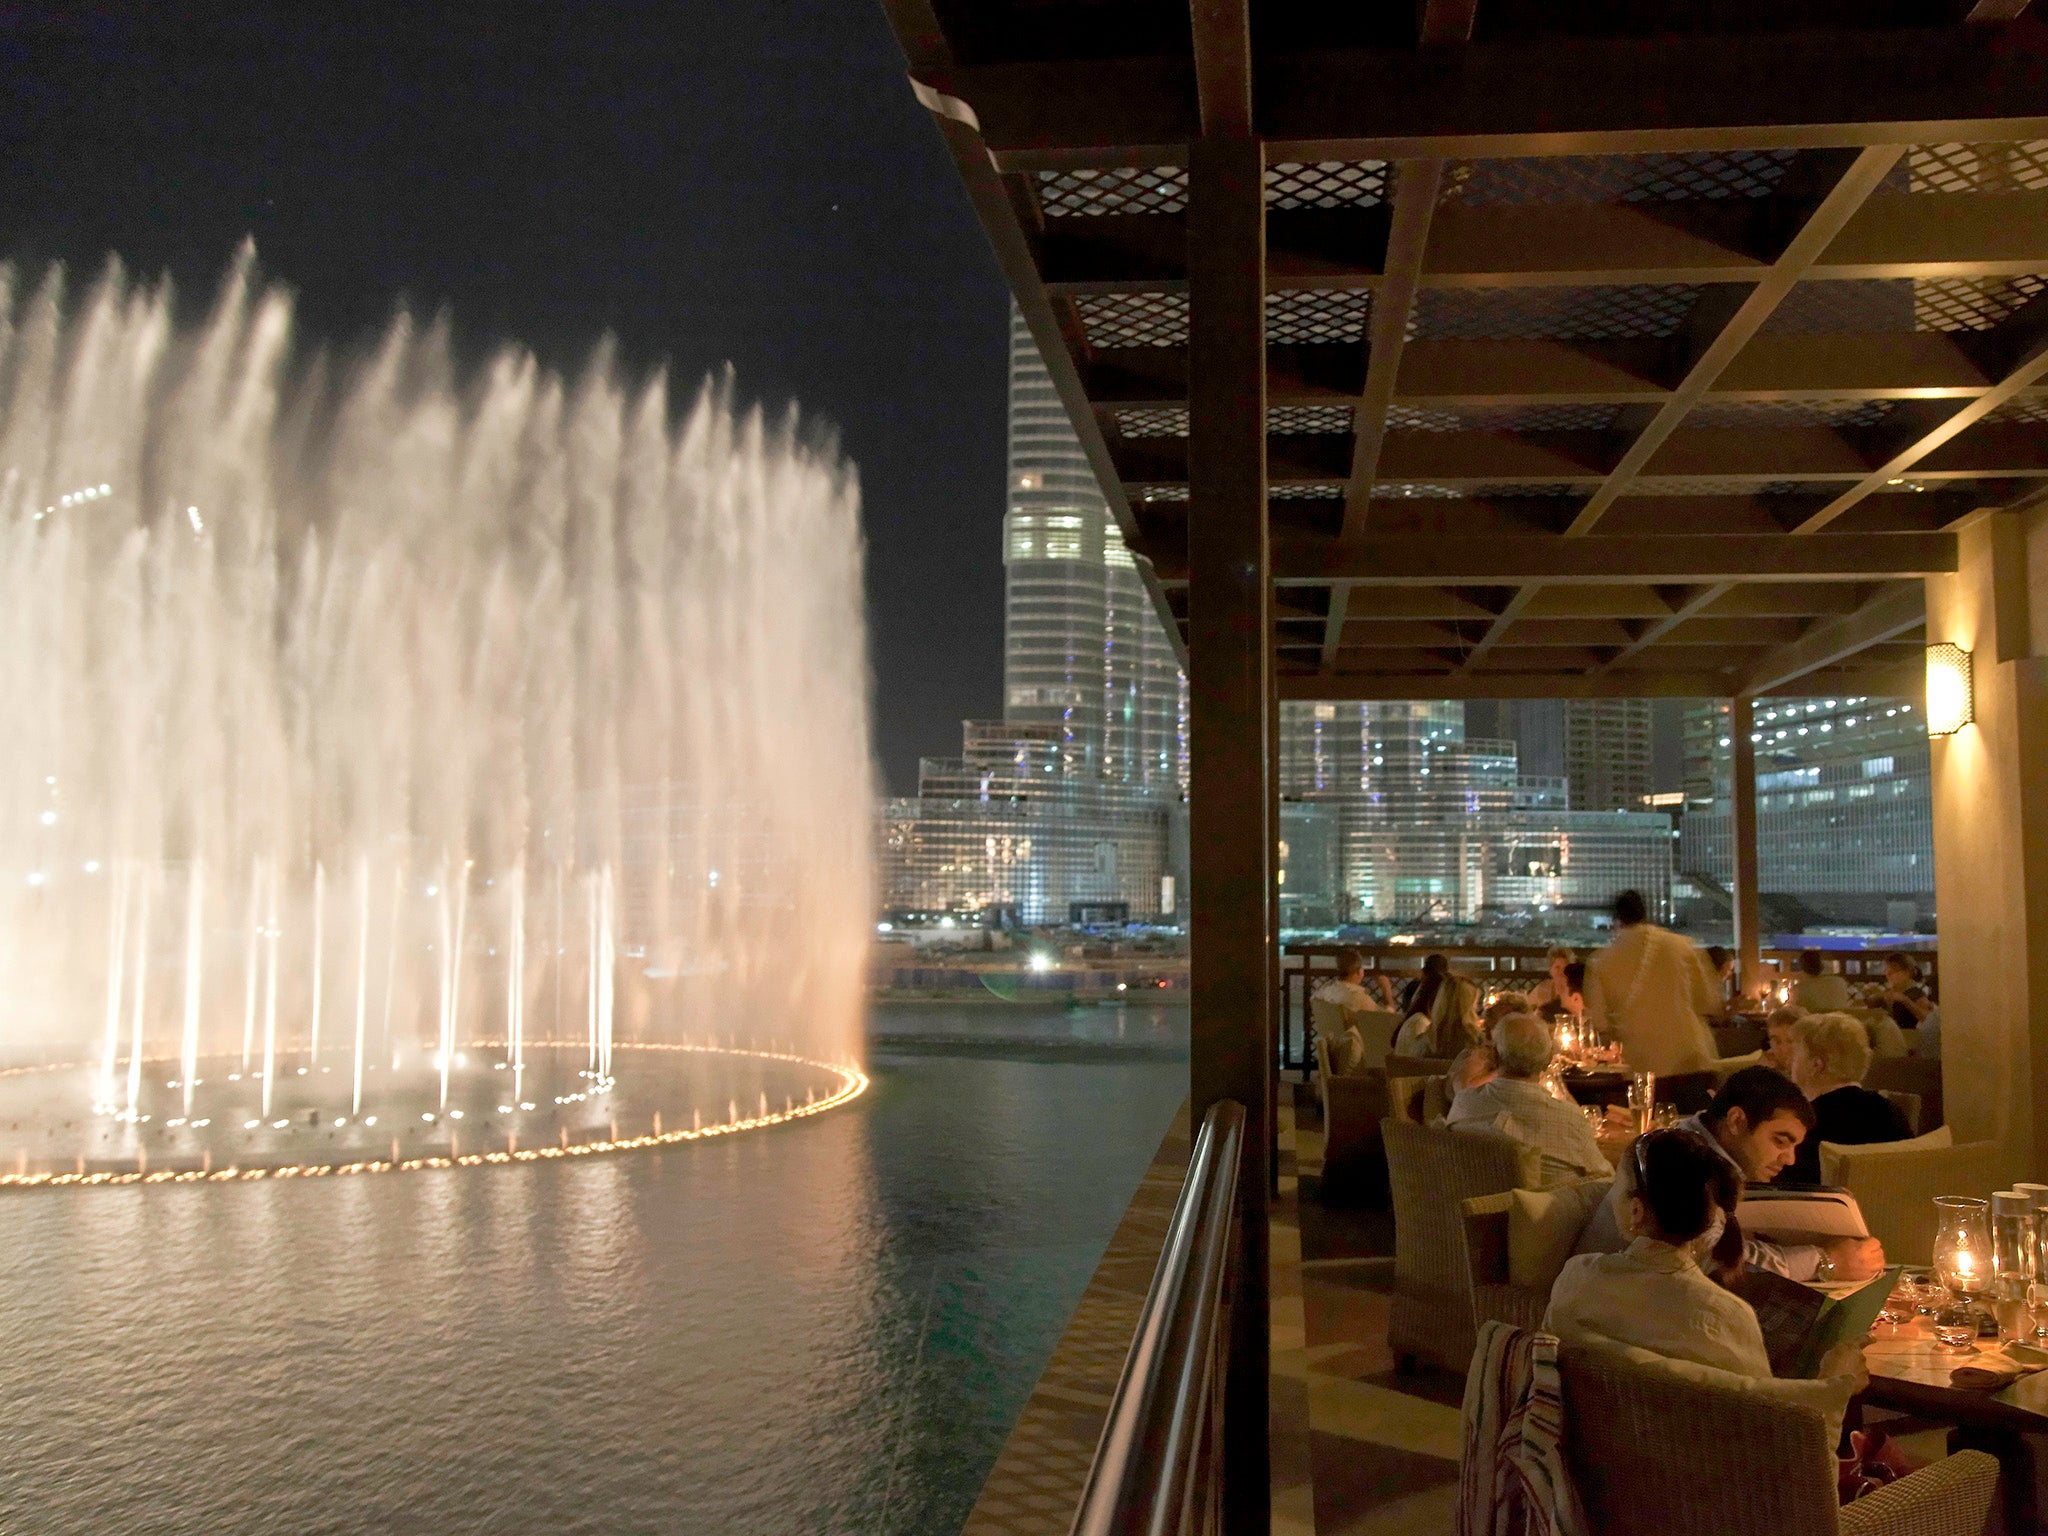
(1607, 350)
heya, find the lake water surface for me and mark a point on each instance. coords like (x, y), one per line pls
(828, 1326)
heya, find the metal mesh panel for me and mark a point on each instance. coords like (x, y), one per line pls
(1503, 418)
(1769, 414)
(2010, 167)
(1307, 493)
(2026, 408)
(1971, 303)
(1317, 315)
(1327, 184)
(1616, 178)
(1163, 421)
(1864, 306)
(1410, 490)
(1849, 306)
(1134, 319)
(1308, 418)
(1656, 485)
(1533, 488)
(1538, 314)
(1068, 194)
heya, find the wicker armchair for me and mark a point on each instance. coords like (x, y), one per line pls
(1432, 1172)
(1354, 1103)
(1663, 1448)
(1495, 1297)
(1896, 1181)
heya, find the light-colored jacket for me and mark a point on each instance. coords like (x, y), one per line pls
(1652, 991)
(1527, 1112)
(1653, 1295)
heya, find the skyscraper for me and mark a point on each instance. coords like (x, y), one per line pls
(1845, 818)
(1437, 826)
(1607, 753)
(1069, 808)
(1083, 647)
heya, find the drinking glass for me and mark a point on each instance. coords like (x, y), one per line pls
(1642, 1098)
(2013, 1228)
(2037, 1309)
(1926, 1293)
(1955, 1327)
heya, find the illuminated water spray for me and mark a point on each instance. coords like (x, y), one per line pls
(362, 714)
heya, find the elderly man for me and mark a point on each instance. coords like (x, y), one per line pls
(1519, 1106)
(1651, 990)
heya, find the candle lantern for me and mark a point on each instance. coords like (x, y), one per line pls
(1962, 1245)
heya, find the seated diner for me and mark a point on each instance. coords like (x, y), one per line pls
(1830, 1055)
(1519, 1104)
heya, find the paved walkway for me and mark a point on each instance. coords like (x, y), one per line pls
(1357, 1449)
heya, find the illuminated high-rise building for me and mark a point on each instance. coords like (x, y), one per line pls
(1438, 827)
(1845, 812)
(1084, 649)
(1607, 753)
(1070, 808)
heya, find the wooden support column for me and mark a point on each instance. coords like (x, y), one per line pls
(1230, 792)
(1742, 834)
(1990, 790)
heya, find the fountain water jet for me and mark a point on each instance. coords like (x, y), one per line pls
(260, 620)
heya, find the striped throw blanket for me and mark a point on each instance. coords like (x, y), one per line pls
(1512, 1478)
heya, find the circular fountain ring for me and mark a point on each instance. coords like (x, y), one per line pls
(852, 1084)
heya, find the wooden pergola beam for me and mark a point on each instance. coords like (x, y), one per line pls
(1857, 182)
(1646, 560)
(1979, 234)
(1555, 95)
(2028, 343)
(1897, 609)
(1919, 365)
(1496, 632)
(1416, 185)
(1815, 452)
(1882, 681)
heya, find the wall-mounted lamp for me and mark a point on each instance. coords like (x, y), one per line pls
(1951, 698)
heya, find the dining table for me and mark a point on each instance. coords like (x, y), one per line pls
(1913, 1374)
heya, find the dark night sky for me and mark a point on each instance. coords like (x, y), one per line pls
(709, 182)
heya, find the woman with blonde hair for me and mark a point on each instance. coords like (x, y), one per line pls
(1830, 1054)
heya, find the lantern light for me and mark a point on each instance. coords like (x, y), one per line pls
(1951, 699)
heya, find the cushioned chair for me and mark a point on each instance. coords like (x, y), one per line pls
(1409, 1091)
(1354, 1103)
(1908, 1105)
(1667, 1448)
(1895, 1183)
(1432, 1171)
(1910, 1074)
(1517, 1241)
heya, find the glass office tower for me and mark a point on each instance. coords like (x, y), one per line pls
(1845, 818)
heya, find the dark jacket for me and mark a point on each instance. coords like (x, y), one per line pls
(1850, 1117)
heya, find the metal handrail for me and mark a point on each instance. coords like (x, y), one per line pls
(1158, 1467)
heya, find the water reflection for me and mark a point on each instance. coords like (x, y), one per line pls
(825, 1327)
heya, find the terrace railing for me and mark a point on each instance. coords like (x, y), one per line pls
(1158, 1470)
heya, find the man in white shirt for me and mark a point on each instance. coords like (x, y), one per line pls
(1651, 990)
(1518, 1105)
(1347, 989)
